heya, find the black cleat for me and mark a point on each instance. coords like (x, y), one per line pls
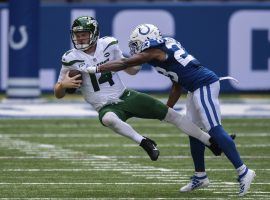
(233, 136)
(217, 151)
(150, 147)
(214, 147)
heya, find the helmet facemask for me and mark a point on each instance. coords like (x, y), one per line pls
(84, 25)
(134, 46)
(83, 46)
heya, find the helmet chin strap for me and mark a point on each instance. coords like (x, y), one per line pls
(88, 47)
(84, 47)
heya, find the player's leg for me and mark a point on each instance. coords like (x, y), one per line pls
(114, 118)
(207, 99)
(112, 121)
(182, 122)
(197, 148)
(209, 109)
(145, 106)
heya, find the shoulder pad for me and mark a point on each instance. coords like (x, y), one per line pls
(69, 58)
(152, 43)
(108, 41)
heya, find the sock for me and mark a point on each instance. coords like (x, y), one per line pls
(227, 144)
(200, 174)
(241, 170)
(112, 121)
(197, 152)
(183, 123)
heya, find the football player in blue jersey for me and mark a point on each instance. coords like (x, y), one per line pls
(169, 58)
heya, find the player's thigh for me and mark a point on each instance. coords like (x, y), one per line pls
(192, 111)
(215, 88)
(144, 106)
(206, 103)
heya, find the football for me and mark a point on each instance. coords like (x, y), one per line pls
(73, 73)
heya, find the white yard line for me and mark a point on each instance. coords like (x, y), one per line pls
(113, 135)
(168, 173)
(43, 150)
(83, 158)
(160, 145)
(115, 183)
(111, 198)
(134, 122)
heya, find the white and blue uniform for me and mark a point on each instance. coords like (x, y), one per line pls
(202, 103)
(202, 83)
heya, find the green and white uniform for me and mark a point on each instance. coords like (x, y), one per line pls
(105, 91)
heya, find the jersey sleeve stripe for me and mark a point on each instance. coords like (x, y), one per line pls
(112, 43)
(71, 62)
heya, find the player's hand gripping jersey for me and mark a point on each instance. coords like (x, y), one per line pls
(180, 66)
(101, 88)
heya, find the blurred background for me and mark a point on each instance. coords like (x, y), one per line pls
(227, 36)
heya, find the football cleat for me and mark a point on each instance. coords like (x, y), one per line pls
(245, 181)
(214, 147)
(195, 183)
(217, 151)
(150, 147)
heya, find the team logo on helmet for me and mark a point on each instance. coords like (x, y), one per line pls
(146, 32)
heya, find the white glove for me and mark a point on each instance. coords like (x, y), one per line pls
(91, 69)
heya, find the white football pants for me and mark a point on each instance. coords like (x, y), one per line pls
(203, 106)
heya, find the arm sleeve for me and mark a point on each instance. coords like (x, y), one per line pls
(62, 73)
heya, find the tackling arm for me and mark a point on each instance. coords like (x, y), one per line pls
(133, 70)
(124, 63)
(135, 60)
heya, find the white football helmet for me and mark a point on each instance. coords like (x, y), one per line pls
(140, 34)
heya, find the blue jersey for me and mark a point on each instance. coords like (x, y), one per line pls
(180, 66)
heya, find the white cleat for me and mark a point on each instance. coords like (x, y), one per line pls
(195, 183)
(245, 181)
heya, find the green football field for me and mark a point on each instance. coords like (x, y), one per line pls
(80, 159)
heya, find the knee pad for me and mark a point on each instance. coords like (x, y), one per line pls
(109, 119)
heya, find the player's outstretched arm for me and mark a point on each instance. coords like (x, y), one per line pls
(135, 60)
(133, 70)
